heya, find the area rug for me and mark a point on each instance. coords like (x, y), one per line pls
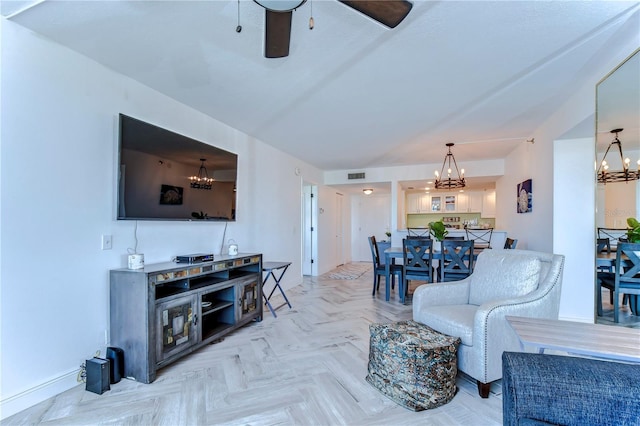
(349, 271)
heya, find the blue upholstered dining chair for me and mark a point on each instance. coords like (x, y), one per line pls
(379, 267)
(625, 279)
(417, 257)
(456, 260)
(510, 243)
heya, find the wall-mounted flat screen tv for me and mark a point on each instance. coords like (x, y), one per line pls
(167, 176)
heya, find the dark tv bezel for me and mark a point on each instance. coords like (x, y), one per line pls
(210, 150)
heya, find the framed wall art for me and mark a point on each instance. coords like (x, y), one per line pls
(524, 196)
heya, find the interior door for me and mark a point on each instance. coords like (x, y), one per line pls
(308, 226)
(339, 248)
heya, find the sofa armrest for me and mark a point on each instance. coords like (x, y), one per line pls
(568, 390)
(450, 293)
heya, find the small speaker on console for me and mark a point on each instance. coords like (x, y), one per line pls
(116, 357)
(98, 375)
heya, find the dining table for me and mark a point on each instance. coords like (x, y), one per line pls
(392, 253)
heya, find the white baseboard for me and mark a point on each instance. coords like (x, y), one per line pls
(30, 397)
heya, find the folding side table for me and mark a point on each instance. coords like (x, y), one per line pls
(270, 268)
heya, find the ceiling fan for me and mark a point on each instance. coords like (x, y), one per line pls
(278, 19)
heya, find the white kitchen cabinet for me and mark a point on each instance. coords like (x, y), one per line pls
(417, 203)
(489, 204)
(462, 204)
(475, 202)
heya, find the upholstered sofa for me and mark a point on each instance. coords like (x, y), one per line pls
(504, 282)
(542, 389)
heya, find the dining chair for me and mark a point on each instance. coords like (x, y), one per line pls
(615, 235)
(456, 260)
(379, 267)
(510, 243)
(626, 278)
(481, 237)
(417, 258)
(418, 233)
(603, 244)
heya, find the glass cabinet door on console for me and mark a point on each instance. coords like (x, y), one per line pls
(248, 293)
(176, 326)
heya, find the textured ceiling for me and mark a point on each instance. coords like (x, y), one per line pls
(352, 94)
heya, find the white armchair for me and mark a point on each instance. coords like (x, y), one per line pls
(504, 282)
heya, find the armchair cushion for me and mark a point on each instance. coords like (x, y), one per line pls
(452, 320)
(518, 275)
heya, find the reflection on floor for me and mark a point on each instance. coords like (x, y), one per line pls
(627, 319)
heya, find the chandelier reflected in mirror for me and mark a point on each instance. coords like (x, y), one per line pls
(610, 176)
(202, 180)
(448, 181)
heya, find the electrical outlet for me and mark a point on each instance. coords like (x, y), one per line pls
(106, 242)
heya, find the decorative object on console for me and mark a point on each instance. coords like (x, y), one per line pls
(135, 261)
(233, 247)
(524, 197)
(448, 182)
(625, 175)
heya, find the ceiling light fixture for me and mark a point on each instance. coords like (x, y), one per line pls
(448, 182)
(202, 180)
(280, 5)
(367, 191)
(625, 175)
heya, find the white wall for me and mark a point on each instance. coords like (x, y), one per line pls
(58, 187)
(574, 231)
(370, 215)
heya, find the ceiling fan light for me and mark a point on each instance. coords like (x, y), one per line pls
(280, 5)
(367, 191)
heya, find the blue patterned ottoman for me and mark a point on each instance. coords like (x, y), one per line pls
(413, 364)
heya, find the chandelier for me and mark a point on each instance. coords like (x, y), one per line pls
(448, 182)
(202, 180)
(624, 175)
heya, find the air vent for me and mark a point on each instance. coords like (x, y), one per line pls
(356, 175)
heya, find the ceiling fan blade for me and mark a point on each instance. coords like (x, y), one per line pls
(387, 12)
(277, 33)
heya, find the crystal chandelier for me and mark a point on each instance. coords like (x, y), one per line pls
(202, 180)
(624, 175)
(449, 182)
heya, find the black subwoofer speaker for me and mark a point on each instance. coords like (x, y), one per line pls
(97, 370)
(116, 356)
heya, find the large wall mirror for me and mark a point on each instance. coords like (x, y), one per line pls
(618, 107)
(618, 119)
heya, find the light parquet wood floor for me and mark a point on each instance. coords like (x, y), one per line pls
(305, 367)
